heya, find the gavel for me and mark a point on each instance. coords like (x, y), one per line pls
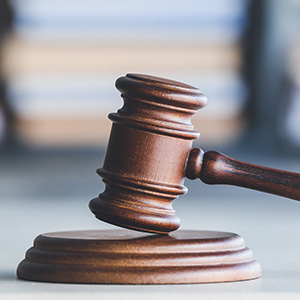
(150, 153)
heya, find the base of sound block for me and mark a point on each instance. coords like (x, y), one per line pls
(128, 257)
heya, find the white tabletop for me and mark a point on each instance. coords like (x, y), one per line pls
(41, 195)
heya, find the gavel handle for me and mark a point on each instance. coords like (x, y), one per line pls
(214, 167)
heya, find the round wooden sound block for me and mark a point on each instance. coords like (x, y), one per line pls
(128, 257)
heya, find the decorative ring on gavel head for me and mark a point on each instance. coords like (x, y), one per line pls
(149, 154)
(146, 157)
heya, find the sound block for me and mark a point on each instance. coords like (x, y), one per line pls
(129, 257)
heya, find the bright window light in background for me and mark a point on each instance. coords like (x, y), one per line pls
(64, 57)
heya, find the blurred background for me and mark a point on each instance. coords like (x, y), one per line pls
(59, 61)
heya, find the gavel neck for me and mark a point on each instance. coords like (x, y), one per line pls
(213, 167)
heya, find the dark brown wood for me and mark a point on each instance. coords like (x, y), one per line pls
(214, 167)
(147, 157)
(144, 166)
(128, 257)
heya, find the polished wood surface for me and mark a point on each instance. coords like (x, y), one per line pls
(214, 167)
(149, 154)
(128, 257)
(144, 166)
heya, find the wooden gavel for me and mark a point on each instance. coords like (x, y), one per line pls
(150, 152)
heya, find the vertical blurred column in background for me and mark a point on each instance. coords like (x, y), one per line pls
(291, 124)
(5, 116)
(64, 56)
(274, 68)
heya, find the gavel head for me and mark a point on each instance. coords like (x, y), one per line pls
(146, 157)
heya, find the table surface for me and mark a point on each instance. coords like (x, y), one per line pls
(50, 192)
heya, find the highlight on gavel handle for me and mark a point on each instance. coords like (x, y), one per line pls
(213, 167)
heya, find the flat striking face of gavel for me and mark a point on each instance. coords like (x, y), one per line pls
(150, 153)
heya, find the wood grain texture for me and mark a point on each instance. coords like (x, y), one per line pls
(214, 167)
(128, 257)
(149, 154)
(144, 166)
